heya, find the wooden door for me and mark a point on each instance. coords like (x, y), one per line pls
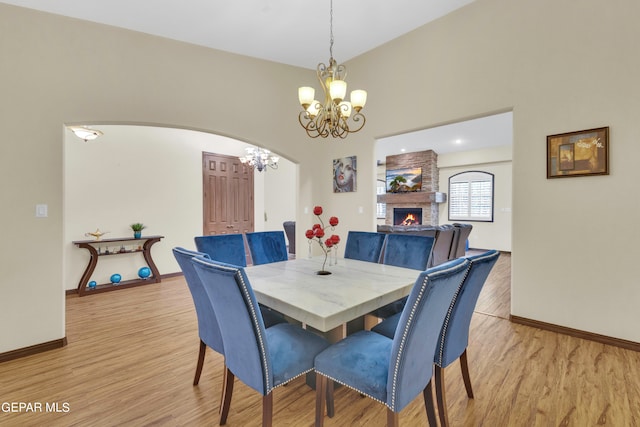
(227, 195)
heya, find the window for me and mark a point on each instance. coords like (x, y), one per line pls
(471, 196)
(381, 208)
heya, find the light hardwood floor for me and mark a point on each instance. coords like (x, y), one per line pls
(132, 354)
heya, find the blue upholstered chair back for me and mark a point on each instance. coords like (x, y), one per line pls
(241, 325)
(267, 246)
(227, 248)
(409, 251)
(364, 246)
(208, 327)
(454, 336)
(418, 331)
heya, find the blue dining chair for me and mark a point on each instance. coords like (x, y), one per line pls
(394, 371)
(364, 246)
(208, 328)
(262, 358)
(408, 251)
(227, 248)
(267, 246)
(454, 336)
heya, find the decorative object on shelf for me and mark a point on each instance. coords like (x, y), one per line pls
(144, 248)
(144, 272)
(345, 171)
(115, 278)
(332, 117)
(259, 158)
(97, 234)
(85, 133)
(137, 229)
(318, 231)
(93, 284)
(580, 153)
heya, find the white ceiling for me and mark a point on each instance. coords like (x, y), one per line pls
(476, 134)
(294, 32)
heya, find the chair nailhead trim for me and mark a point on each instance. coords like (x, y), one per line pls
(353, 388)
(256, 325)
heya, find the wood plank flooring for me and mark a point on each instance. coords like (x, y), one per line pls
(132, 355)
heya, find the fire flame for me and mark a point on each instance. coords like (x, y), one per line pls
(409, 220)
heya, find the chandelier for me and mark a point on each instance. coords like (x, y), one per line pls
(334, 116)
(259, 158)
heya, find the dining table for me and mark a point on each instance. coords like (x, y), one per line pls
(334, 304)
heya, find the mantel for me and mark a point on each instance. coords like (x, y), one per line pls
(417, 197)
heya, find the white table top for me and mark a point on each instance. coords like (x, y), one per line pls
(354, 289)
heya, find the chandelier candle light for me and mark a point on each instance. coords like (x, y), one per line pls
(259, 158)
(332, 117)
(317, 232)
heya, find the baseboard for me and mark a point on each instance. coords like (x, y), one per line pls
(162, 276)
(34, 349)
(168, 276)
(602, 339)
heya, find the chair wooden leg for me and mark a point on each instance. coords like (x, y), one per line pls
(267, 410)
(464, 366)
(201, 353)
(440, 396)
(331, 410)
(223, 389)
(392, 418)
(321, 391)
(427, 393)
(226, 395)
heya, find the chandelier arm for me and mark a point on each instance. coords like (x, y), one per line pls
(356, 118)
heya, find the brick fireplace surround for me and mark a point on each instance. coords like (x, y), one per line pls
(425, 199)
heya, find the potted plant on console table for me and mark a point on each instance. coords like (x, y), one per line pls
(137, 229)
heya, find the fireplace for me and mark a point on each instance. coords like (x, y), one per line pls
(407, 216)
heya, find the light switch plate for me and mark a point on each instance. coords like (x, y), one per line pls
(42, 211)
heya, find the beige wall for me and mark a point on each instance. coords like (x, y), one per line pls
(559, 66)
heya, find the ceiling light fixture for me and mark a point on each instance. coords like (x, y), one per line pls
(259, 158)
(332, 117)
(85, 133)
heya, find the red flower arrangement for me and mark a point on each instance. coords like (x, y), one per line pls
(318, 232)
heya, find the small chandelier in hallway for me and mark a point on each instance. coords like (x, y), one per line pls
(259, 158)
(336, 117)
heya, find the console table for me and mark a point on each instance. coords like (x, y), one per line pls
(92, 245)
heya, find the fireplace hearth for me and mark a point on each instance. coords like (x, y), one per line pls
(407, 216)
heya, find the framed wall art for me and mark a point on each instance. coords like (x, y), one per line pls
(580, 153)
(404, 180)
(345, 174)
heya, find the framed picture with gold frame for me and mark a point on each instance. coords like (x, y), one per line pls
(580, 153)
